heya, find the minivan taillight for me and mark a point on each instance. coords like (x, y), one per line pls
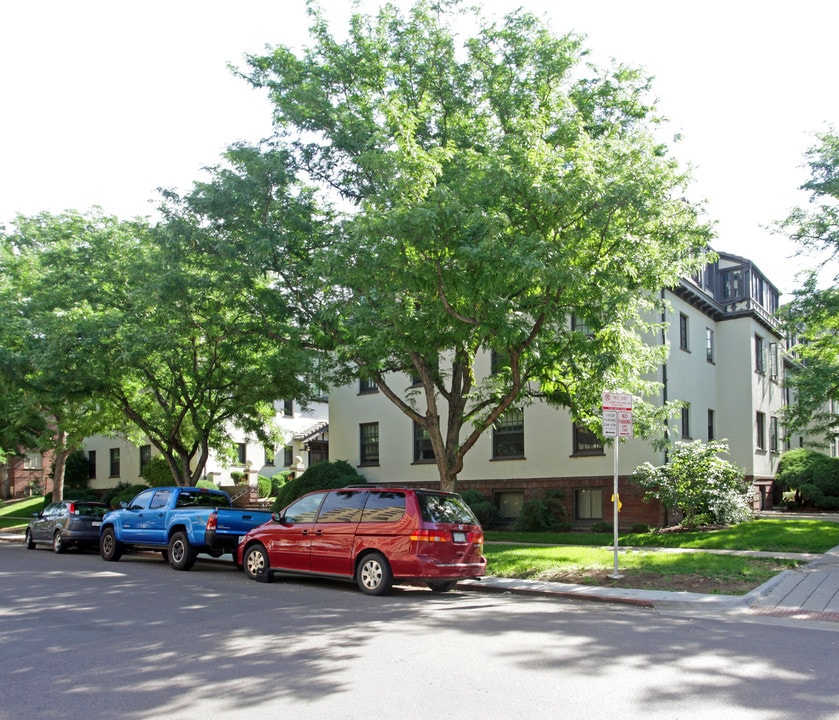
(429, 536)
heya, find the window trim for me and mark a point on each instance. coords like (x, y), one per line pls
(684, 332)
(368, 444)
(506, 435)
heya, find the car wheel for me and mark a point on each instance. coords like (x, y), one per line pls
(181, 554)
(374, 576)
(256, 564)
(30, 543)
(109, 548)
(58, 544)
(442, 586)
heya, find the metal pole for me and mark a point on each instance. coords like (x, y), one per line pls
(615, 502)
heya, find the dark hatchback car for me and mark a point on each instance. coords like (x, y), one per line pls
(66, 523)
(373, 535)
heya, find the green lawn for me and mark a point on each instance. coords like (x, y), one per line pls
(586, 558)
(782, 535)
(18, 513)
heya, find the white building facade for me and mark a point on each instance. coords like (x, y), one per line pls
(725, 364)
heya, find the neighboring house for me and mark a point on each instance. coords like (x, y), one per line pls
(26, 474)
(306, 431)
(725, 363)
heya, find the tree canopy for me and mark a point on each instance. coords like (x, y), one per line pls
(485, 191)
(145, 330)
(812, 317)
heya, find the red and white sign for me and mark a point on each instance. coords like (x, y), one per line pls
(617, 415)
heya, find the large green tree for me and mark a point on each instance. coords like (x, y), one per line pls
(497, 195)
(812, 317)
(155, 328)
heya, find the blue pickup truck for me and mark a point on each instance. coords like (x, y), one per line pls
(181, 522)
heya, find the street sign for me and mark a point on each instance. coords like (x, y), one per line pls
(616, 401)
(617, 415)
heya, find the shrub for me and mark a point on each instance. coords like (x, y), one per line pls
(263, 486)
(76, 472)
(698, 481)
(123, 492)
(277, 481)
(481, 505)
(156, 472)
(640, 528)
(545, 513)
(813, 476)
(322, 476)
(601, 526)
(206, 484)
(237, 476)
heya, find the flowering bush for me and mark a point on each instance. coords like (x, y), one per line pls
(699, 482)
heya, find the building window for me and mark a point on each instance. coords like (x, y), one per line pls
(499, 361)
(760, 424)
(269, 455)
(114, 462)
(367, 386)
(508, 435)
(145, 456)
(288, 456)
(683, 332)
(732, 284)
(711, 432)
(588, 504)
(760, 362)
(579, 325)
(423, 452)
(369, 434)
(242, 453)
(686, 422)
(709, 345)
(33, 461)
(288, 408)
(773, 434)
(773, 360)
(586, 442)
(91, 464)
(509, 504)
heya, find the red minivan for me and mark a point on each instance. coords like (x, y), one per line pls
(373, 535)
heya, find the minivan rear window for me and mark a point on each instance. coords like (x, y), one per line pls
(445, 509)
(384, 506)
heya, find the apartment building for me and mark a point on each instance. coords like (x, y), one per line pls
(725, 364)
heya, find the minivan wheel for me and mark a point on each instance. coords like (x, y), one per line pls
(442, 585)
(58, 544)
(256, 564)
(374, 576)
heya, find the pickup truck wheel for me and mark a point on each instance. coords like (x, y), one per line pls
(109, 548)
(58, 545)
(165, 555)
(181, 554)
(374, 576)
(256, 564)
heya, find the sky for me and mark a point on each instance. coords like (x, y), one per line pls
(104, 101)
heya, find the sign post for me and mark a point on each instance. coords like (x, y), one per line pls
(617, 423)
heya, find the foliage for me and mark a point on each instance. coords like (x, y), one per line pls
(481, 505)
(812, 317)
(491, 186)
(277, 481)
(813, 476)
(76, 471)
(147, 330)
(237, 476)
(156, 472)
(318, 477)
(206, 484)
(698, 481)
(545, 513)
(123, 492)
(263, 486)
(601, 526)
(74, 494)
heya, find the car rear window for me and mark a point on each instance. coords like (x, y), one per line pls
(96, 511)
(445, 509)
(384, 506)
